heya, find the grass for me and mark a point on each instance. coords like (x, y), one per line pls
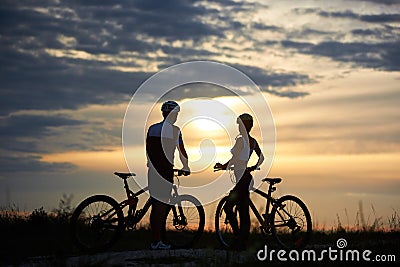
(42, 234)
(364, 223)
(34, 234)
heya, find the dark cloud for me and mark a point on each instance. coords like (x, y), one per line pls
(75, 92)
(376, 18)
(31, 164)
(34, 78)
(59, 55)
(56, 133)
(24, 137)
(276, 83)
(384, 2)
(273, 82)
(262, 26)
(26, 133)
(384, 56)
(32, 125)
(286, 93)
(48, 83)
(339, 14)
(377, 44)
(196, 90)
(381, 18)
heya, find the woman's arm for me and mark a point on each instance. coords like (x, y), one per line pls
(235, 154)
(260, 157)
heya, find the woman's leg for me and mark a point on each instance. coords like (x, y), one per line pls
(243, 207)
(230, 214)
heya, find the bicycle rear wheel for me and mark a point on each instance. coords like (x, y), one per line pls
(291, 225)
(223, 228)
(185, 222)
(96, 223)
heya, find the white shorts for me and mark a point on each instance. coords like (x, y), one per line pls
(159, 187)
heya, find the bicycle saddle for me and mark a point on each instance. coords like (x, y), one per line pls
(124, 175)
(272, 180)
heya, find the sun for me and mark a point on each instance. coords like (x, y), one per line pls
(207, 115)
(206, 124)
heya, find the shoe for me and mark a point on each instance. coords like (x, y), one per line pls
(159, 246)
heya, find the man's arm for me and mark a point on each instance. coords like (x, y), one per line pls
(183, 157)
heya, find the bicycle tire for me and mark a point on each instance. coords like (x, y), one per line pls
(89, 231)
(222, 227)
(184, 234)
(291, 224)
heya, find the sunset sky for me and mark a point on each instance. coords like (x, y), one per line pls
(328, 69)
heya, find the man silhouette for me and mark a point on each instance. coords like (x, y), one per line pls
(161, 142)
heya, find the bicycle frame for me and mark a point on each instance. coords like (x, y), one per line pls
(99, 220)
(263, 220)
(286, 218)
(271, 203)
(135, 217)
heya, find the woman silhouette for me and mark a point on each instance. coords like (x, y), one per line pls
(241, 152)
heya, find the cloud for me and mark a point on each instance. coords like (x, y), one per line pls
(277, 83)
(379, 18)
(69, 54)
(385, 2)
(273, 82)
(25, 133)
(382, 56)
(32, 125)
(31, 164)
(370, 42)
(351, 123)
(48, 83)
(24, 138)
(67, 51)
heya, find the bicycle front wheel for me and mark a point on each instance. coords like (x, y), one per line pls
(223, 228)
(96, 223)
(291, 225)
(185, 222)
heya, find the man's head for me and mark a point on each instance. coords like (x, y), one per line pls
(246, 121)
(170, 110)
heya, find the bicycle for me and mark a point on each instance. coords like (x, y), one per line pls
(98, 221)
(287, 219)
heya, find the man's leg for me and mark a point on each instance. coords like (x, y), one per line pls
(164, 221)
(160, 190)
(157, 208)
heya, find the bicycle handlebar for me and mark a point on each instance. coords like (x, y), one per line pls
(232, 168)
(182, 172)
